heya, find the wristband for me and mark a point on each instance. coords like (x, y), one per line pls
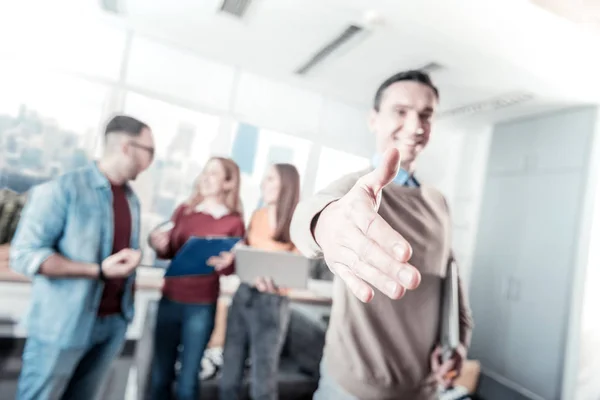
(101, 275)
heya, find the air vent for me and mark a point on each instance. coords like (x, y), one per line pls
(495, 103)
(431, 67)
(236, 8)
(350, 33)
(111, 6)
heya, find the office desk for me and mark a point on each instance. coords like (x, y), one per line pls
(15, 292)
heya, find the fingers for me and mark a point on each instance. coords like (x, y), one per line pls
(360, 289)
(259, 283)
(212, 261)
(377, 179)
(436, 356)
(271, 287)
(137, 255)
(374, 227)
(390, 261)
(265, 284)
(446, 373)
(377, 244)
(377, 277)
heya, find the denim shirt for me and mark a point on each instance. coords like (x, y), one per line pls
(71, 215)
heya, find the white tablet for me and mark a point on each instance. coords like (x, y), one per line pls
(288, 270)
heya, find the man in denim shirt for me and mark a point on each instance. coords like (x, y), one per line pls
(78, 239)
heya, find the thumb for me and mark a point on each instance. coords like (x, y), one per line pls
(385, 172)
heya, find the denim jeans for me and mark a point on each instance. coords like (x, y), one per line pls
(191, 326)
(257, 322)
(51, 373)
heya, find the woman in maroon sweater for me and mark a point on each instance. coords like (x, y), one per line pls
(186, 312)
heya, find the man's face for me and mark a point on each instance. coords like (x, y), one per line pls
(404, 119)
(139, 153)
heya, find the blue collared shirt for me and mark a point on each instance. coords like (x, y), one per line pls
(71, 215)
(402, 178)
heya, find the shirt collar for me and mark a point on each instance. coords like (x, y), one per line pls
(216, 212)
(402, 178)
(99, 180)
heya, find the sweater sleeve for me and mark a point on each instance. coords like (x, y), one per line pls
(238, 231)
(170, 253)
(307, 213)
(465, 318)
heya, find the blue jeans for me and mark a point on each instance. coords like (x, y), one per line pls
(51, 373)
(190, 325)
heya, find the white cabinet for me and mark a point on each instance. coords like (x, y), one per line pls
(562, 141)
(492, 282)
(510, 150)
(528, 232)
(551, 143)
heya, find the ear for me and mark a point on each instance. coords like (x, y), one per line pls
(124, 146)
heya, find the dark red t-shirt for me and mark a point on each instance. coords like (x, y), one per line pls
(200, 289)
(114, 288)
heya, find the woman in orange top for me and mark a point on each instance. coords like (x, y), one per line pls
(269, 227)
(257, 322)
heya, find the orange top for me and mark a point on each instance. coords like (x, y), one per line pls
(260, 233)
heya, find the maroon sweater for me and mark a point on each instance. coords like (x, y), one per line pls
(198, 289)
(114, 288)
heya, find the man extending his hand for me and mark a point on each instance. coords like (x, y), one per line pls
(368, 226)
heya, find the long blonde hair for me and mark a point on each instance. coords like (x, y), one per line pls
(232, 198)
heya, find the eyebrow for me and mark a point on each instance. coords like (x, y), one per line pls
(426, 109)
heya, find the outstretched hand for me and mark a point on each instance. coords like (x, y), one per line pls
(359, 246)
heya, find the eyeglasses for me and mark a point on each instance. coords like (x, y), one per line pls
(149, 149)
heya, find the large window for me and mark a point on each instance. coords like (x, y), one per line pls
(256, 149)
(46, 35)
(182, 138)
(48, 125)
(62, 78)
(333, 164)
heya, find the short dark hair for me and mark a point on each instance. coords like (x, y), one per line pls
(125, 124)
(413, 76)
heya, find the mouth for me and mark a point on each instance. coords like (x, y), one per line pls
(408, 141)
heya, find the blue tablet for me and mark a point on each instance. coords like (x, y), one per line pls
(192, 257)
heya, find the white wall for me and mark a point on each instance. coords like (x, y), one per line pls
(582, 362)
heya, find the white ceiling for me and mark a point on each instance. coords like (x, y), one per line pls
(586, 12)
(487, 47)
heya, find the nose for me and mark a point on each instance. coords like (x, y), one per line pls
(412, 124)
